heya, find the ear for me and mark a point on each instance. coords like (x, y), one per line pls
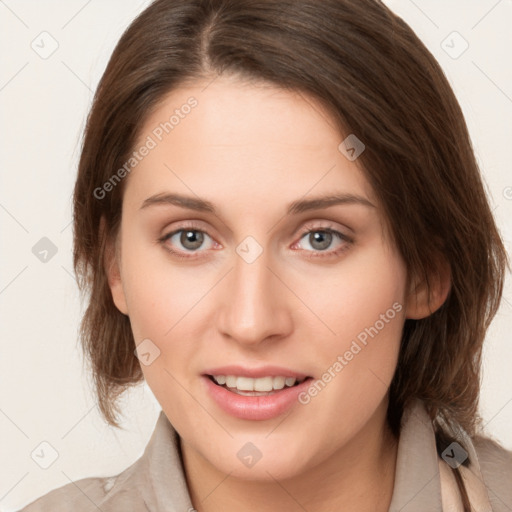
(423, 300)
(112, 270)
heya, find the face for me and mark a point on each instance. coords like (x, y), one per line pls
(263, 279)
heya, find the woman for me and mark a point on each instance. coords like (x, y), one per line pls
(283, 228)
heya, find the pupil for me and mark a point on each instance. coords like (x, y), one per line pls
(324, 237)
(195, 238)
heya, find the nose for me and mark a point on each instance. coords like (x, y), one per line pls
(254, 303)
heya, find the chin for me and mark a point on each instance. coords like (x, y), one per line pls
(264, 464)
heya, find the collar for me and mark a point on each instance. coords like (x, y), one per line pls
(423, 481)
(417, 483)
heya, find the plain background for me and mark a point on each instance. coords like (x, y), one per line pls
(45, 392)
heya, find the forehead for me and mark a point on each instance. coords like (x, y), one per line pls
(236, 139)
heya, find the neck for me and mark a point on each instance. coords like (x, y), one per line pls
(358, 477)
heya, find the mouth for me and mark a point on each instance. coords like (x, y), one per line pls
(256, 395)
(261, 386)
(255, 398)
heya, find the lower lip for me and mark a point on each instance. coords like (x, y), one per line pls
(255, 407)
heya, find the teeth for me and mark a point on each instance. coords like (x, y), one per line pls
(259, 384)
(279, 382)
(289, 381)
(221, 379)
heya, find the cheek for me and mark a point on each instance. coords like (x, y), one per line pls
(352, 298)
(157, 293)
(165, 302)
(362, 314)
(161, 304)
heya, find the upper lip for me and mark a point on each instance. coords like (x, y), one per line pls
(262, 371)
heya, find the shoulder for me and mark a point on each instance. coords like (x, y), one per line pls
(120, 492)
(496, 467)
(155, 478)
(82, 496)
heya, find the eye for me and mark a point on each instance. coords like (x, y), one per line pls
(321, 238)
(187, 240)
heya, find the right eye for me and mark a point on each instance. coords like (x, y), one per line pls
(190, 239)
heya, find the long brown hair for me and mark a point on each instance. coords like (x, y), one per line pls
(379, 82)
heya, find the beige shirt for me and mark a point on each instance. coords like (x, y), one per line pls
(424, 481)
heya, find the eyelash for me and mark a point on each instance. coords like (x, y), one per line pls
(307, 229)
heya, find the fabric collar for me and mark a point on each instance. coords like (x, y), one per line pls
(419, 484)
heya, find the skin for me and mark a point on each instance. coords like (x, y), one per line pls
(251, 150)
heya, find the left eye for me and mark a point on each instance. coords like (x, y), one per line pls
(321, 239)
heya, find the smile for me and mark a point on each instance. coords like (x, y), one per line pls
(255, 386)
(241, 396)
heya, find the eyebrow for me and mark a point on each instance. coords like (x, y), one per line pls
(299, 206)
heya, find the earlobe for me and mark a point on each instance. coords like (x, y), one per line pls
(423, 300)
(111, 265)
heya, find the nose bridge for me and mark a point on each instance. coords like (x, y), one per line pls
(253, 308)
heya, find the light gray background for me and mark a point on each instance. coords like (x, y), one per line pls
(45, 392)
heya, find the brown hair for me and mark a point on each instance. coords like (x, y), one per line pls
(380, 82)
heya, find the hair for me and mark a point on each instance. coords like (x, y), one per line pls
(378, 81)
